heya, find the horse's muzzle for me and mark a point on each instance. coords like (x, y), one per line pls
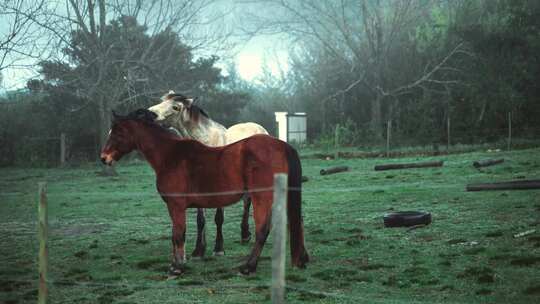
(106, 159)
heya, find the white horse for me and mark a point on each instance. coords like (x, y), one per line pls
(179, 112)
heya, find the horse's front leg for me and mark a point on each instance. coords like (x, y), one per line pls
(246, 235)
(218, 248)
(178, 217)
(200, 245)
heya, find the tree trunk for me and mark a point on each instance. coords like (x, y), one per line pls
(104, 127)
(376, 119)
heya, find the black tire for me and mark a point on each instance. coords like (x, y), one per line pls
(406, 218)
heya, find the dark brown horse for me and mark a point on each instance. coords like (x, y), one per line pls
(192, 175)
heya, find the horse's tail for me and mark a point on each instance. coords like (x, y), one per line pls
(299, 255)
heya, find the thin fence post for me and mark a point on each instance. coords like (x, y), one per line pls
(279, 224)
(388, 133)
(62, 149)
(509, 131)
(336, 142)
(43, 249)
(448, 142)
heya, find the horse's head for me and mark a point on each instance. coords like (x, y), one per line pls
(173, 106)
(120, 140)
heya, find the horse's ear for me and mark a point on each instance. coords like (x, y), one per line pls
(187, 102)
(169, 95)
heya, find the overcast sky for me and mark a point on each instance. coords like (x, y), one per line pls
(250, 56)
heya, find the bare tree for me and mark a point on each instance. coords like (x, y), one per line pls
(20, 41)
(190, 21)
(364, 36)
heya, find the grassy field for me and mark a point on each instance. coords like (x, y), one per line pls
(109, 237)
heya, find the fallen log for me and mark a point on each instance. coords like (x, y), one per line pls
(510, 185)
(334, 170)
(409, 165)
(487, 162)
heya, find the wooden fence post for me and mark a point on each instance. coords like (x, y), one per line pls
(336, 142)
(279, 225)
(388, 133)
(62, 149)
(448, 133)
(509, 131)
(43, 249)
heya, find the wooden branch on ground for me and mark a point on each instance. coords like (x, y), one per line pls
(509, 185)
(409, 165)
(487, 162)
(334, 170)
(524, 233)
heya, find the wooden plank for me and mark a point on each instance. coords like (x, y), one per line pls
(62, 149)
(43, 291)
(334, 170)
(279, 225)
(336, 142)
(409, 165)
(508, 185)
(388, 133)
(509, 131)
(448, 133)
(487, 162)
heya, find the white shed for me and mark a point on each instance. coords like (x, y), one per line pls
(291, 127)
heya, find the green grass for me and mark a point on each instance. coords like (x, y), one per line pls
(109, 237)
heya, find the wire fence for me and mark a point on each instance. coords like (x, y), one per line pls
(53, 151)
(22, 228)
(396, 142)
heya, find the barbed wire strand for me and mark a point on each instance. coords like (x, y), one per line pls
(234, 192)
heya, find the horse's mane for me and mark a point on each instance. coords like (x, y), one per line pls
(142, 115)
(195, 111)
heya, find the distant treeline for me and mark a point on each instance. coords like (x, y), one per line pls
(354, 64)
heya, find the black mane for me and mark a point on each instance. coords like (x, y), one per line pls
(142, 114)
(146, 116)
(195, 110)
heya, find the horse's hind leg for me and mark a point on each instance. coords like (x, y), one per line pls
(200, 245)
(218, 248)
(246, 235)
(261, 215)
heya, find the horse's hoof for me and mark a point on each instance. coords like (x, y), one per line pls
(174, 272)
(245, 270)
(219, 253)
(246, 240)
(302, 260)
